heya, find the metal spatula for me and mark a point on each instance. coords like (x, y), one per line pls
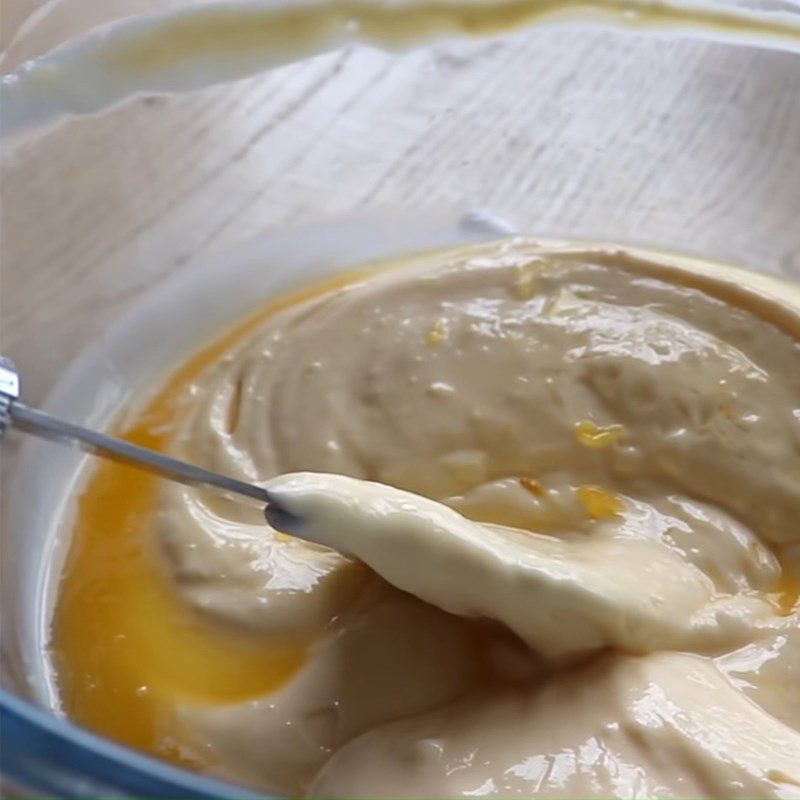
(24, 418)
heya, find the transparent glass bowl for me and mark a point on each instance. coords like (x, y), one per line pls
(568, 131)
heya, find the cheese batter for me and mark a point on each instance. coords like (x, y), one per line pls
(563, 488)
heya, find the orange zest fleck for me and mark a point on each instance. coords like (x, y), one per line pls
(726, 412)
(436, 333)
(592, 435)
(599, 503)
(531, 486)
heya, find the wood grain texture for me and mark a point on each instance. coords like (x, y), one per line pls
(566, 131)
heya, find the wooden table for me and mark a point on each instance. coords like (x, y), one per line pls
(564, 131)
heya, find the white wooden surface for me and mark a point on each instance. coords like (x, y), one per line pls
(565, 131)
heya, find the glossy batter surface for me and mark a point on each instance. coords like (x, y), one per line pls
(588, 482)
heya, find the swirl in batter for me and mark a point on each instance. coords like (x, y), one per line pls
(563, 491)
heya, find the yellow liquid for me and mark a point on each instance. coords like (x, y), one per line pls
(125, 648)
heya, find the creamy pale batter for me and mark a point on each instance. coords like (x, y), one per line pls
(213, 42)
(563, 488)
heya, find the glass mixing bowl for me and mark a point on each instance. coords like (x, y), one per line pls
(569, 131)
